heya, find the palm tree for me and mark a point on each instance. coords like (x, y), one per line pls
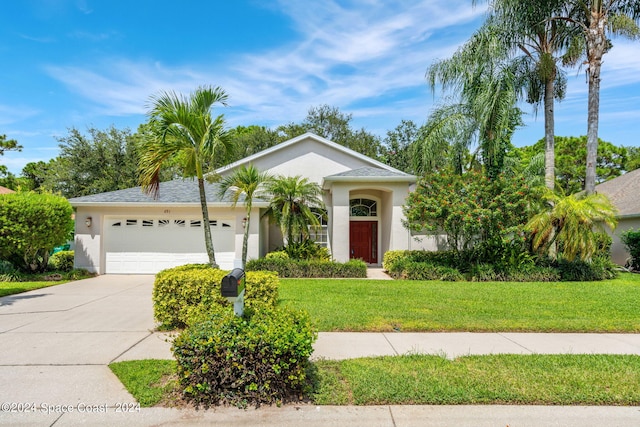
(486, 81)
(594, 18)
(570, 222)
(183, 128)
(527, 28)
(292, 202)
(249, 182)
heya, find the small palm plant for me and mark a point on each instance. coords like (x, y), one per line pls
(293, 199)
(249, 182)
(573, 223)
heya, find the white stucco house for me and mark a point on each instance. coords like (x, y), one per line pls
(129, 232)
(624, 193)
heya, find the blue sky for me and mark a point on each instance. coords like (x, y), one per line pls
(83, 63)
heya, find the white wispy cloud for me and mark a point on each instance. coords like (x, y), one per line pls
(343, 55)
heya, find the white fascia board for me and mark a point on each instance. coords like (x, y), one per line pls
(411, 179)
(159, 205)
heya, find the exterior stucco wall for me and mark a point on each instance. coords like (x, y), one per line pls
(619, 253)
(308, 158)
(89, 241)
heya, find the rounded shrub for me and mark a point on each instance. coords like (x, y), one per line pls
(259, 358)
(61, 261)
(277, 255)
(183, 292)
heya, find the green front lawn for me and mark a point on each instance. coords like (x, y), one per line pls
(399, 305)
(428, 380)
(10, 288)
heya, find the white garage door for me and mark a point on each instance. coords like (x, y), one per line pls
(135, 245)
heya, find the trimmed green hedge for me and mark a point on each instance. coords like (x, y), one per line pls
(182, 293)
(309, 269)
(446, 265)
(61, 261)
(261, 357)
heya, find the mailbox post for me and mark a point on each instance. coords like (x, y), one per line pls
(232, 287)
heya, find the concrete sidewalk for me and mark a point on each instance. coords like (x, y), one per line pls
(58, 341)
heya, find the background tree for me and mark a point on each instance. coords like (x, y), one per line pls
(397, 148)
(249, 183)
(330, 123)
(182, 129)
(596, 19)
(570, 161)
(96, 162)
(633, 159)
(7, 145)
(293, 199)
(35, 174)
(249, 140)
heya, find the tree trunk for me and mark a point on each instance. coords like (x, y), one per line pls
(549, 135)
(596, 44)
(245, 239)
(208, 241)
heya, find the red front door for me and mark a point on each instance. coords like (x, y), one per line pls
(363, 241)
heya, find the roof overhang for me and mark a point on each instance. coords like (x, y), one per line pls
(257, 204)
(409, 179)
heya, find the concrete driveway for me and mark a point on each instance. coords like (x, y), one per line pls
(58, 341)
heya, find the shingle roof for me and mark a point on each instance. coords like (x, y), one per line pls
(180, 191)
(624, 192)
(4, 190)
(370, 172)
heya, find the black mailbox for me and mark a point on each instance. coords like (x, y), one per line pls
(232, 283)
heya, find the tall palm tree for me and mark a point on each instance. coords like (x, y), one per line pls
(595, 19)
(183, 128)
(527, 28)
(571, 222)
(293, 199)
(249, 182)
(485, 79)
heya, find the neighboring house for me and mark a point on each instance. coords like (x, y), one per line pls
(5, 190)
(624, 192)
(127, 231)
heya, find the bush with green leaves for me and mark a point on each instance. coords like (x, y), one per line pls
(61, 261)
(259, 358)
(631, 239)
(277, 255)
(307, 250)
(31, 225)
(183, 292)
(291, 268)
(8, 273)
(599, 268)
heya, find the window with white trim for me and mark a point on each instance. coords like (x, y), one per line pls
(363, 207)
(320, 234)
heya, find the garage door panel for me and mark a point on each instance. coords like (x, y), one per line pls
(148, 245)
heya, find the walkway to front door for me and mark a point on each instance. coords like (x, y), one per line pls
(363, 241)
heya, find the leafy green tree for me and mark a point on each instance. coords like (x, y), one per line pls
(249, 183)
(249, 140)
(573, 223)
(31, 225)
(182, 129)
(329, 122)
(397, 149)
(570, 161)
(469, 208)
(100, 161)
(35, 174)
(7, 145)
(485, 111)
(293, 200)
(633, 159)
(596, 19)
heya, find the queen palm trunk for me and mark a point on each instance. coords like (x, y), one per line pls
(549, 131)
(596, 45)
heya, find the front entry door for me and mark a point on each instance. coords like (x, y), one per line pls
(363, 240)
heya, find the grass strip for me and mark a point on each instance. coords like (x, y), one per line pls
(10, 288)
(499, 379)
(434, 380)
(150, 381)
(380, 305)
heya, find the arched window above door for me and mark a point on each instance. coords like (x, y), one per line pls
(363, 207)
